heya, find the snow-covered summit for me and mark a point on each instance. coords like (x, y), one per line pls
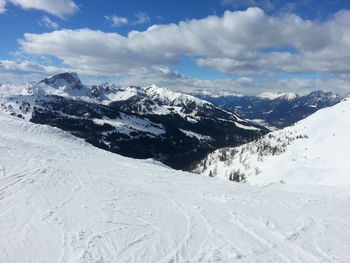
(107, 94)
(65, 84)
(68, 84)
(67, 79)
(313, 151)
(171, 98)
(278, 95)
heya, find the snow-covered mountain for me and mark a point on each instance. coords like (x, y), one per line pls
(313, 151)
(139, 122)
(68, 81)
(62, 200)
(278, 95)
(277, 110)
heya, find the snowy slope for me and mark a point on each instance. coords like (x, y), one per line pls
(313, 151)
(62, 200)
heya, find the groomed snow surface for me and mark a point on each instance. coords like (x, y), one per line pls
(62, 200)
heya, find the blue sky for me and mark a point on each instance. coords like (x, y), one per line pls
(248, 46)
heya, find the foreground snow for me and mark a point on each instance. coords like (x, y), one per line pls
(62, 200)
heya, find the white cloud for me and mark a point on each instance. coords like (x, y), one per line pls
(244, 43)
(26, 67)
(47, 22)
(238, 43)
(103, 53)
(25, 71)
(232, 66)
(141, 18)
(116, 21)
(57, 7)
(2, 6)
(242, 85)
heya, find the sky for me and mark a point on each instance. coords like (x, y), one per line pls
(247, 46)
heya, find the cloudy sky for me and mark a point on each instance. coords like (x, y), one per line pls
(247, 46)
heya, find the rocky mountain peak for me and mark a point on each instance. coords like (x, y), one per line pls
(66, 79)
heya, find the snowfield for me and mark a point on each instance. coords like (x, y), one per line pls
(315, 150)
(62, 200)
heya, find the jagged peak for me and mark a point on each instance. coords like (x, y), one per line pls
(65, 79)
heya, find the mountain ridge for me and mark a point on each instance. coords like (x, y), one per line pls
(174, 128)
(275, 110)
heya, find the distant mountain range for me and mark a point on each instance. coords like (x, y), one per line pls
(276, 110)
(149, 122)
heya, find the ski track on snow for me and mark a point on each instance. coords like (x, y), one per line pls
(62, 200)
